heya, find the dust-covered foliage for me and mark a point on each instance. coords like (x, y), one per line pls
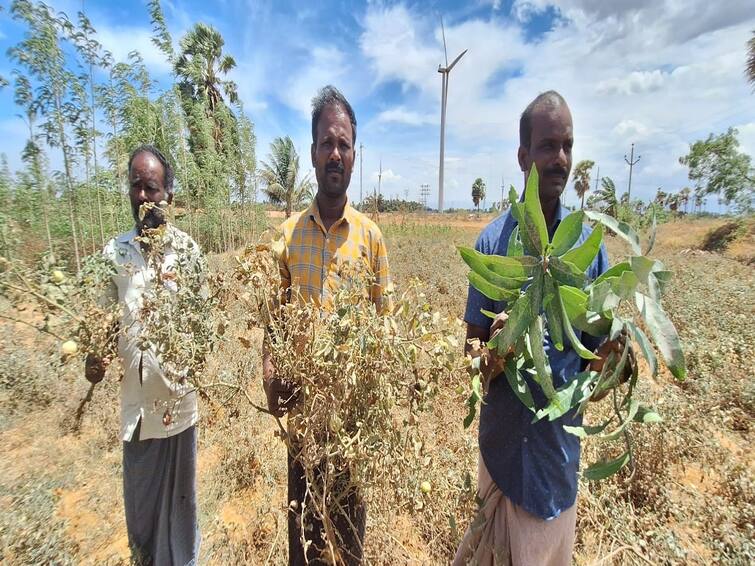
(363, 374)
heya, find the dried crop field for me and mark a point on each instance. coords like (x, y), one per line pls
(690, 501)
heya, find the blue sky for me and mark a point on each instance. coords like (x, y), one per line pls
(660, 74)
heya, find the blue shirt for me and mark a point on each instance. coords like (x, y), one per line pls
(534, 464)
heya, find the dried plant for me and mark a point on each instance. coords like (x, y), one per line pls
(362, 379)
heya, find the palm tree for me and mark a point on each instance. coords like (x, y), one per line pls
(200, 65)
(750, 71)
(660, 197)
(581, 178)
(478, 192)
(604, 198)
(280, 174)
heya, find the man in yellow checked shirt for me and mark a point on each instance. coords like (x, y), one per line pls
(316, 242)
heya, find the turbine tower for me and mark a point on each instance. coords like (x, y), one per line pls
(445, 73)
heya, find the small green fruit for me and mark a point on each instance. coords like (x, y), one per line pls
(57, 276)
(425, 487)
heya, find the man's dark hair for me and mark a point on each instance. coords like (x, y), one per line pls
(548, 98)
(147, 148)
(330, 96)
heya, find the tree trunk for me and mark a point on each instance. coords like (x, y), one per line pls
(94, 155)
(582, 206)
(69, 180)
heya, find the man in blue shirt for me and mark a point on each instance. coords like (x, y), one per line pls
(528, 471)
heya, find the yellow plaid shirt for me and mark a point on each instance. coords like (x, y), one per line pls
(312, 255)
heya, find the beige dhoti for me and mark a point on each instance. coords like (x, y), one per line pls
(504, 534)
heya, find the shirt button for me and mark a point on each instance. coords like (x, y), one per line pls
(525, 440)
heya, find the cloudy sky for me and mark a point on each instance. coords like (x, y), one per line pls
(656, 73)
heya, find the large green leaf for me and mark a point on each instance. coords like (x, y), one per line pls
(524, 310)
(645, 346)
(614, 271)
(575, 303)
(482, 265)
(604, 469)
(534, 228)
(569, 396)
(621, 228)
(490, 290)
(543, 375)
(565, 272)
(555, 317)
(514, 247)
(518, 383)
(571, 335)
(518, 268)
(583, 256)
(626, 285)
(568, 232)
(664, 334)
(602, 298)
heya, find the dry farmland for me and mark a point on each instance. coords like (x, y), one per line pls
(691, 499)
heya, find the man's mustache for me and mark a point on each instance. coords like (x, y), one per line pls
(560, 171)
(336, 167)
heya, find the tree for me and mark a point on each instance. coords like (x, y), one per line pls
(280, 173)
(581, 178)
(41, 53)
(718, 167)
(604, 198)
(750, 70)
(684, 197)
(478, 192)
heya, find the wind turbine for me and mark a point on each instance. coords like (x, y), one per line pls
(445, 72)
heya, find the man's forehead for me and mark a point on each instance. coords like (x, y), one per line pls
(334, 116)
(145, 164)
(551, 120)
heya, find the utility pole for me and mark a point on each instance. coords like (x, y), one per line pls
(424, 192)
(361, 153)
(631, 162)
(445, 73)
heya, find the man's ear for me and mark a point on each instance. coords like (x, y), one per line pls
(312, 153)
(522, 155)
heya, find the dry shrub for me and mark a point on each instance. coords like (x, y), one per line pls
(362, 379)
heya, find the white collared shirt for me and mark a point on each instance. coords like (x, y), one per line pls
(146, 392)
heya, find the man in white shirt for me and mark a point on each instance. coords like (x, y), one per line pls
(158, 413)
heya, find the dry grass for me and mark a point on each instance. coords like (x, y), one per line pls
(691, 501)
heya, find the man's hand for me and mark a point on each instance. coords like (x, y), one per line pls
(95, 368)
(491, 364)
(615, 347)
(281, 394)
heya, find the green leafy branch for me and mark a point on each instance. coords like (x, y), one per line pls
(545, 287)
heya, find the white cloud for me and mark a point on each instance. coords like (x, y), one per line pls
(121, 40)
(401, 115)
(635, 83)
(643, 72)
(746, 138)
(388, 176)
